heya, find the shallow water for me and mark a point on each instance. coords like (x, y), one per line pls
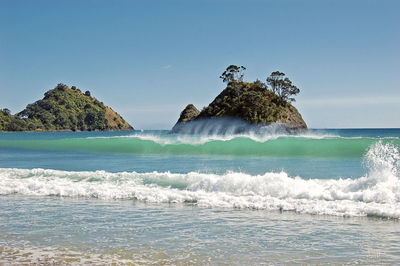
(151, 198)
(183, 233)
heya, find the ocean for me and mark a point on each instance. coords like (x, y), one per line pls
(151, 197)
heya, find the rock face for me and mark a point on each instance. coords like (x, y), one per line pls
(64, 108)
(188, 114)
(292, 119)
(249, 102)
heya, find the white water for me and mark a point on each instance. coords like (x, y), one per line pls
(221, 129)
(377, 193)
(263, 134)
(202, 139)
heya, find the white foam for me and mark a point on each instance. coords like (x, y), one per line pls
(377, 193)
(202, 139)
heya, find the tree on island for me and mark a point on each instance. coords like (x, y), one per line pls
(233, 73)
(281, 86)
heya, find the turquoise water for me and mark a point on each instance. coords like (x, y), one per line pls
(154, 197)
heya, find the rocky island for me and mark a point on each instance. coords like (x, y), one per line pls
(64, 109)
(248, 103)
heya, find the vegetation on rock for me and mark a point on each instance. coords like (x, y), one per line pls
(254, 102)
(64, 108)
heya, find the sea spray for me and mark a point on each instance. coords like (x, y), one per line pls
(383, 160)
(224, 126)
(376, 193)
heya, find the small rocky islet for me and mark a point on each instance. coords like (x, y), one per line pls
(255, 103)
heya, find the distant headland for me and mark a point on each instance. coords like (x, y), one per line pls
(64, 109)
(255, 103)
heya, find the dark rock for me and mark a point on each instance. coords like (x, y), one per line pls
(188, 114)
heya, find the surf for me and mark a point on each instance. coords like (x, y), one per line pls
(375, 194)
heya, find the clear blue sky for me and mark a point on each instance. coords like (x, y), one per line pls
(148, 59)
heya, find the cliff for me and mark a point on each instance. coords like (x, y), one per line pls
(251, 102)
(64, 108)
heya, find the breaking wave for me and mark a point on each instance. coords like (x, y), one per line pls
(306, 145)
(377, 193)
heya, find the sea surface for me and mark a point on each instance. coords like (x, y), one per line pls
(327, 196)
